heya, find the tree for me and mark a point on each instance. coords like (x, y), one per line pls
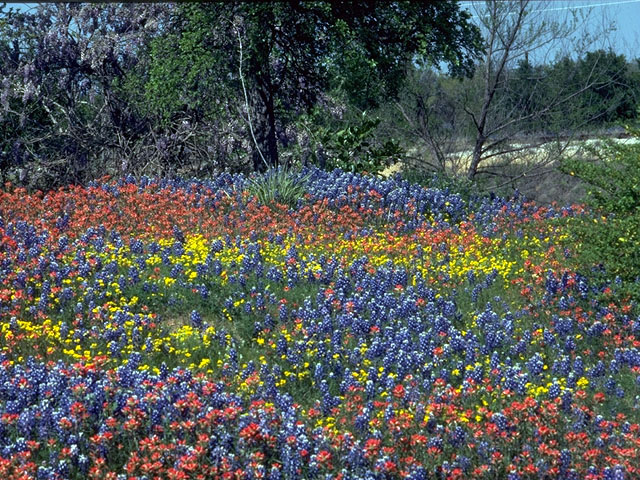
(65, 117)
(526, 93)
(90, 89)
(294, 51)
(610, 94)
(515, 30)
(379, 43)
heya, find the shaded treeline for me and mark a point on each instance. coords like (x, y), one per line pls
(191, 89)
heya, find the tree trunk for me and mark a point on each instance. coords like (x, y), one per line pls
(258, 164)
(267, 137)
(476, 157)
(272, 139)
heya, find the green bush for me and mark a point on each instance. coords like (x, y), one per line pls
(352, 147)
(611, 236)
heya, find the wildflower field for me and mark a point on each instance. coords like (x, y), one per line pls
(179, 329)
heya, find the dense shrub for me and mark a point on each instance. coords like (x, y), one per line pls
(610, 237)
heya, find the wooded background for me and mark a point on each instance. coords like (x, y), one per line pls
(193, 89)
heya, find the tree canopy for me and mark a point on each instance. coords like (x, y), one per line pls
(290, 53)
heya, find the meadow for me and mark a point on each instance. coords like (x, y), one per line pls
(370, 329)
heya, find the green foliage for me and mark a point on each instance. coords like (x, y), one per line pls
(354, 144)
(356, 149)
(611, 95)
(374, 44)
(157, 88)
(604, 85)
(293, 53)
(611, 236)
(278, 185)
(187, 62)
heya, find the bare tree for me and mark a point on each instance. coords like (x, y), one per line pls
(516, 31)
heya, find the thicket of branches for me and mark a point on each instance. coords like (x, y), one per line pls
(545, 79)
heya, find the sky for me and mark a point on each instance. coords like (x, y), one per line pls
(624, 15)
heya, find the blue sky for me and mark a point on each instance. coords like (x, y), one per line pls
(623, 15)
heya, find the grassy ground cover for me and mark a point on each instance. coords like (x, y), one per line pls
(179, 329)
